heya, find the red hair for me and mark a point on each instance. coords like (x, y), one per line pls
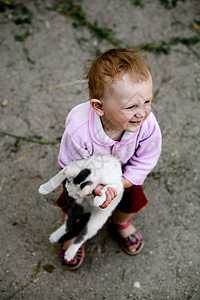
(113, 64)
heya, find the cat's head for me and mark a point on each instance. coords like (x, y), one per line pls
(80, 185)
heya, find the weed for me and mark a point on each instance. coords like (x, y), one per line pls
(21, 14)
(26, 52)
(137, 3)
(22, 37)
(75, 12)
(22, 17)
(165, 47)
(170, 3)
(17, 146)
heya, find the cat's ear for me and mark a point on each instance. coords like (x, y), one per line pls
(53, 183)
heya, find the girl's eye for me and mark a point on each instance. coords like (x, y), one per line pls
(130, 107)
(148, 101)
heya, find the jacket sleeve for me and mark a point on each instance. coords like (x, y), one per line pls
(70, 150)
(74, 143)
(146, 155)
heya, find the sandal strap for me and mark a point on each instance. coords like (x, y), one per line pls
(62, 253)
(121, 227)
(137, 235)
(79, 254)
(133, 239)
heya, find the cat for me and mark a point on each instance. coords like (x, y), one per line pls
(85, 216)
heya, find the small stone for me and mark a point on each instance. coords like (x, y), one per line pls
(47, 24)
(137, 284)
(4, 103)
(95, 43)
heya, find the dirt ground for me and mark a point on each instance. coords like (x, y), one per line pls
(41, 48)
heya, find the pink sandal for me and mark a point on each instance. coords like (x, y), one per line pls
(135, 239)
(79, 257)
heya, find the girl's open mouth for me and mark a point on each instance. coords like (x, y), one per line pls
(136, 122)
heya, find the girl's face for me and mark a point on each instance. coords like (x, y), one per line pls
(127, 106)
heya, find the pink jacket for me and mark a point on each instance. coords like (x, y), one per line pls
(138, 152)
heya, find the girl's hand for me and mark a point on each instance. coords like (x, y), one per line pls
(110, 194)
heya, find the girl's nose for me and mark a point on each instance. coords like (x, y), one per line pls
(140, 113)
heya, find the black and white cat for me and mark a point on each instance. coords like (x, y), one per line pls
(85, 216)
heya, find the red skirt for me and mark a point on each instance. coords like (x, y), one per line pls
(133, 200)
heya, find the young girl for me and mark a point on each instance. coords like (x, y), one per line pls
(118, 121)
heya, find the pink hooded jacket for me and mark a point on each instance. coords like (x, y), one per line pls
(138, 152)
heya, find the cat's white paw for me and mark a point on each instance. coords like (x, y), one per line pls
(69, 254)
(45, 189)
(53, 238)
(98, 201)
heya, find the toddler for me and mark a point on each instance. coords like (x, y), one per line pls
(118, 121)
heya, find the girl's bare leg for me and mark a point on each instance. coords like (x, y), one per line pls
(120, 218)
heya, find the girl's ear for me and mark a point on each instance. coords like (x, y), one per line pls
(97, 106)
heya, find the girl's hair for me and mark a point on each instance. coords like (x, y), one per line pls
(112, 64)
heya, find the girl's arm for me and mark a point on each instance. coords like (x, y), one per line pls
(126, 183)
(146, 155)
